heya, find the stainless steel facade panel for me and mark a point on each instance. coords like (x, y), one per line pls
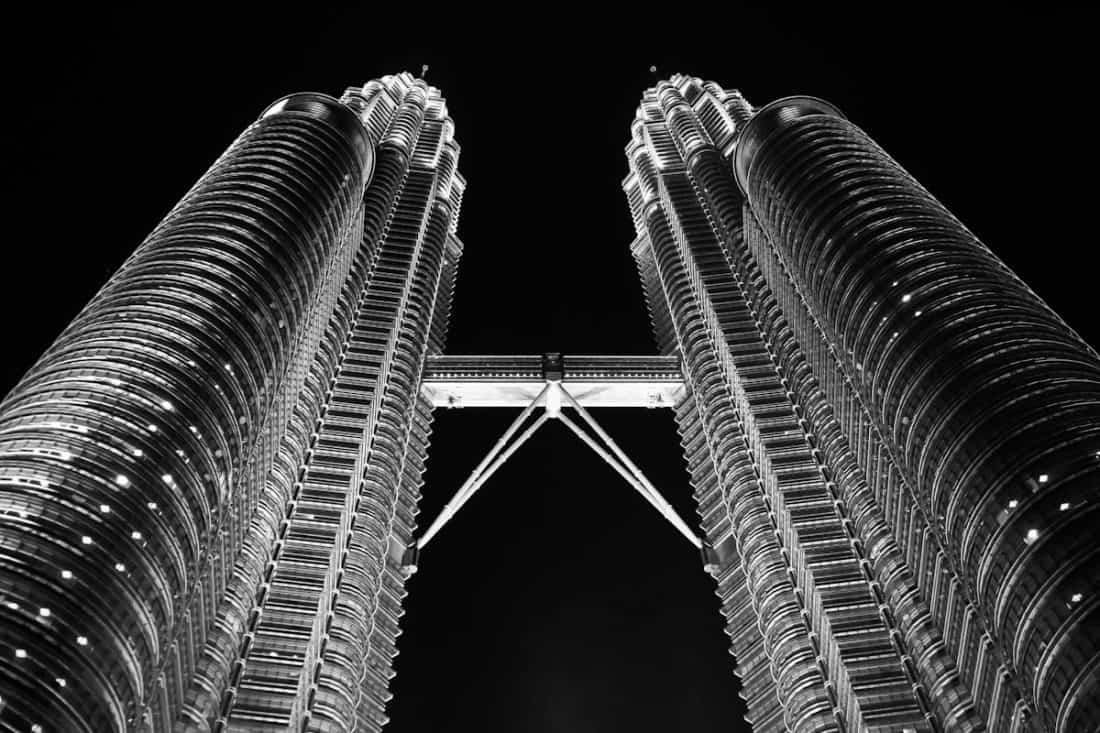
(979, 398)
(921, 430)
(206, 484)
(133, 454)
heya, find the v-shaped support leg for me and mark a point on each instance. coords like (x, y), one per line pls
(554, 397)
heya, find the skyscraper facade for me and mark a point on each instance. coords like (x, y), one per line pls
(894, 443)
(208, 481)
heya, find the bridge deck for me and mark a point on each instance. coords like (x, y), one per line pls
(513, 381)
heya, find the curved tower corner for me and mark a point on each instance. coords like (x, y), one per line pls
(894, 443)
(206, 483)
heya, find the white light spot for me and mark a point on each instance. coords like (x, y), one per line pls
(1032, 535)
(120, 567)
(894, 284)
(138, 452)
(151, 505)
(151, 428)
(122, 480)
(67, 574)
(86, 540)
(104, 508)
(115, 382)
(44, 612)
(191, 362)
(229, 367)
(13, 605)
(194, 429)
(906, 298)
(20, 653)
(1013, 504)
(66, 455)
(135, 535)
(82, 640)
(917, 313)
(166, 478)
(1077, 597)
(61, 682)
(1043, 478)
(166, 404)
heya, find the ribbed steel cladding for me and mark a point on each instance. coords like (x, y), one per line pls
(799, 679)
(121, 451)
(717, 189)
(377, 203)
(424, 298)
(748, 643)
(700, 249)
(952, 704)
(988, 399)
(236, 612)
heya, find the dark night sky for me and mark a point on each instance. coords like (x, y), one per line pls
(556, 600)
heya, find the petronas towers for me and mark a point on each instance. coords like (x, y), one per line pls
(209, 484)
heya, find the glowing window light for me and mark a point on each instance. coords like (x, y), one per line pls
(106, 509)
(1043, 478)
(151, 505)
(1013, 504)
(67, 574)
(122, 480)
(1032, 535)
(1064, 506)
(44, 612)
(120, 567)
(20, 653)
(138, 452)
(82, 640)
(135, 535)
(86, 540)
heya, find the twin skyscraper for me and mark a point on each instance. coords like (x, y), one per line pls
(209, 483)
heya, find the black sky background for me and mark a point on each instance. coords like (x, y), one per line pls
(556, 600)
